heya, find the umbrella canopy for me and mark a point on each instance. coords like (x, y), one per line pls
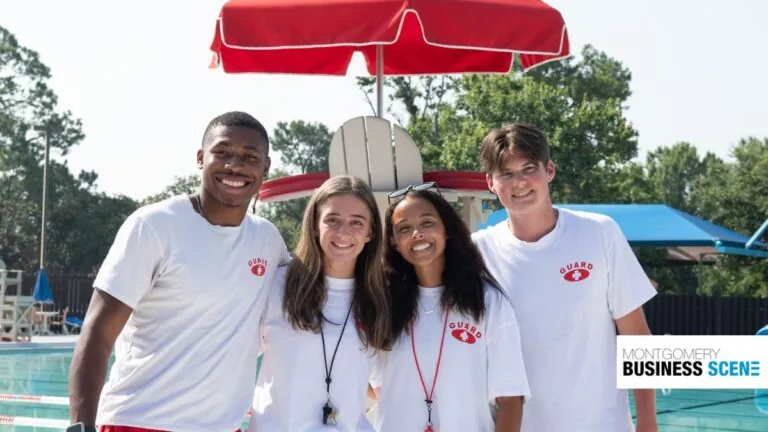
(686, 237)
(416, 37)
(42, 293)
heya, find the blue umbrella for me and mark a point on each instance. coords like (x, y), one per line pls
(42, 292)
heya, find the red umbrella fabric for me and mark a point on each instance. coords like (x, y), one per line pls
(419, 37)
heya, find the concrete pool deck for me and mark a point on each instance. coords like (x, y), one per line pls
(42, 343)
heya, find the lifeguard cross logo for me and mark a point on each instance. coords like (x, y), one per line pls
(576, 271)
(258, 266)
(465, 332)
(692, 362)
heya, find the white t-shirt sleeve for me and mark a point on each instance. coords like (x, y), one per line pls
(628, 285)
(506, 369)
(132, 262)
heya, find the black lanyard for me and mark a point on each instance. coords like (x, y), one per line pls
(328, 411)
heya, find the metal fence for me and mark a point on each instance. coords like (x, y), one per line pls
(702, 315)
(667, 313)
(68, 291)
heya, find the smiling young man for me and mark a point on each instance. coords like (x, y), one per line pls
(574, 281)
(179, 297)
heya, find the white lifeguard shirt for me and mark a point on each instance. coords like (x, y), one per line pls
(480, 362)
(186, 358)
(567, 289)
(290, 391)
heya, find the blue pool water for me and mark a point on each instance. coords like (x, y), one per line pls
(43, 373)
(710, 410)
(46, 373)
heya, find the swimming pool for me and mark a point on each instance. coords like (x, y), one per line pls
(710, 410)
(37, 372)
(45, 373)
(34, 373)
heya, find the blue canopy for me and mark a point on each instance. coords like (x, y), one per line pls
(42, 293)
(687, 237)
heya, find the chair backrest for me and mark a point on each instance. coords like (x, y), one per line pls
(368, 147)
(2, 264)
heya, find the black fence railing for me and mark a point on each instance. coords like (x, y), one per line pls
(68, 291)
(666, 313)
(702, 315)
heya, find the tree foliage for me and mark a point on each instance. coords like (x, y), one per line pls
(188, 184)
(80, 220)
(303, 148)
(580, 103)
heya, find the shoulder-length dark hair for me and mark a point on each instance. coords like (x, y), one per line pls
(464, 275)
(305, 290)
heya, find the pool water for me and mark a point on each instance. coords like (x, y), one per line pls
(46, 373)
(711, 410)
(41, 373)
(38, 373)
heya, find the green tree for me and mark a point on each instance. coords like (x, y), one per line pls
(735, 195)
(303, 148)
(579, 105)
(670, 174)
(673, 172)
(80, 220)
(728, 194)
(188, 184)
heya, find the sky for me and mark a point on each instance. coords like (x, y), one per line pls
(137, 75)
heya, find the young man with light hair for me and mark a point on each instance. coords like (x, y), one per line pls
(574, 281)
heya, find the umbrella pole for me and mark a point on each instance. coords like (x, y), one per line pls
(45, 194)
(380, 81)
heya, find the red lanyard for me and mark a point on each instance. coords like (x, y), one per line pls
(429, 395)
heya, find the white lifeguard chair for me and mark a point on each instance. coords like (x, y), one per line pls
(380, 153)
(14, 309)
(386, 157)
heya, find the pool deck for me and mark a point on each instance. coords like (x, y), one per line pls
(66, 342)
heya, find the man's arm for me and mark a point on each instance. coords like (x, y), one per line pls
(104, 321)
(510, 415)
(634, 324)
(628, 290)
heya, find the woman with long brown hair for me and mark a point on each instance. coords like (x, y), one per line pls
(326, 319)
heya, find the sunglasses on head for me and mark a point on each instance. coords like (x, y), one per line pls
(400, 193)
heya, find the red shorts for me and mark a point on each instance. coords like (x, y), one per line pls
(126, 429)
(130, 429)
